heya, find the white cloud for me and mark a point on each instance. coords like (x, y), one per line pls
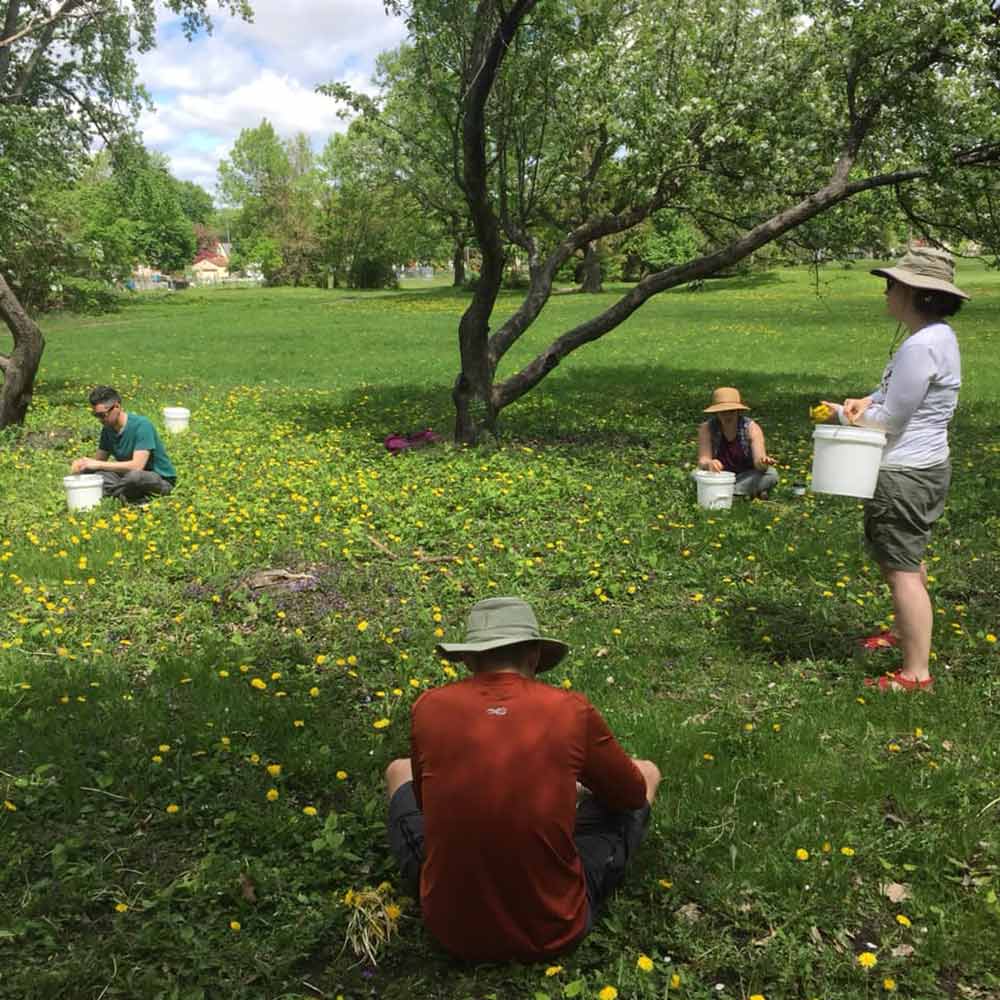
(206, 91)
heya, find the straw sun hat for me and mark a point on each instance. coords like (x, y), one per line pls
(503, 621)
(924, 267)
(726, 398)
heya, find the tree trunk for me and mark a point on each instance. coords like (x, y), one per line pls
(21, 365)
(592, 281)
(475, 408)
(458, 263)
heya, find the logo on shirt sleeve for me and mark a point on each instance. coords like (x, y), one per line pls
(499, 710)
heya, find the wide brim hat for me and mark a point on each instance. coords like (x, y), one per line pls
(503, 621)
(924, 267)
(726, 398)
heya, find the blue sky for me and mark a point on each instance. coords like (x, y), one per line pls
(208, 90)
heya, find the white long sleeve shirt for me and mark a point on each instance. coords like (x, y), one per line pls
(916, 398)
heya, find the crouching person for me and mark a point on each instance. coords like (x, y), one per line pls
(484, 817)
(141, 467)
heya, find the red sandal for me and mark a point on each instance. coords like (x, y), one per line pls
(897, 682)
(880, 640)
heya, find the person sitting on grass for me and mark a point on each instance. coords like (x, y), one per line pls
(141, 467)
(731, 442)
(484, 818)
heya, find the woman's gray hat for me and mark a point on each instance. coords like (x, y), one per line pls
(924, 267)
(503, 621)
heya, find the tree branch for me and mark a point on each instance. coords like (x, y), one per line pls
(837, 190)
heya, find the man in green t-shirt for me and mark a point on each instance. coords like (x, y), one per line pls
(141, 467)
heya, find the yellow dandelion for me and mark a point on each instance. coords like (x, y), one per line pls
(675, 981)
(173, 808)
(309, 810)
(867, 960)
(272, 795)
(298, 723)
(608, 993)
(990, 637)
(362, 625)
(393, 912)
(644, 963)
(156, 759)
(802, 854)
(235, 925)
(380, 723)
(826, 847)
(121, 907)
(314, 692)
(889, 984)
(848, 852)
(756, 996)
(274, 770)
(321, 659)
(341, 776)
(259, 684)
(903, 920)
(553, 970)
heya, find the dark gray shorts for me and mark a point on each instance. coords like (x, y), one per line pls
(899, 516)
(606, 841)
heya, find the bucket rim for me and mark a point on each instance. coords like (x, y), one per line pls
(859, 435)
(176, 411)
(83, 479)
(715, 477)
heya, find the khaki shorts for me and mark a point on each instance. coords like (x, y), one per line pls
(899, 516)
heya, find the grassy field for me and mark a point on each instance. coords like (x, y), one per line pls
(190, 764)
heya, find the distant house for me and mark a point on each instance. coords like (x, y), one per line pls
(211, 266)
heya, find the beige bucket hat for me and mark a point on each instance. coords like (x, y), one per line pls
(924, 267)
(503, 621)
(726, 398)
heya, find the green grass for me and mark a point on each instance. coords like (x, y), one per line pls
(718, 644)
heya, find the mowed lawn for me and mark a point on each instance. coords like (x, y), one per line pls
(190, 759)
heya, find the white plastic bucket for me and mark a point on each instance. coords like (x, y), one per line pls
(846, 460)
(175, 418)
(715, 489)
(83, 492)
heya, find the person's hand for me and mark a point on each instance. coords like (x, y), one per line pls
(854, 408)
(768, 460)
(80, 465)
(712, 465)
(834, 408)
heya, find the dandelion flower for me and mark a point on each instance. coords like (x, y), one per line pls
(848, 852)
(553, 970)
(298, 723)
(903, 920)
(608, 993)
(393, 912)
(675, 981)
(259, 684)
(173, 808)
(756, 996)
(380, 723)
(272, 794)
(644, 963)
(121, 907)
(314, 692)
(274, 770)
(666, 883)
(341, 776)
(867, 960)
(235, 925)
(164, 748)
(362, 625)
(802, 854)
(889, 984)
(309, 810)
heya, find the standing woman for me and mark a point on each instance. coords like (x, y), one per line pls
(913, 406)
(729, 441)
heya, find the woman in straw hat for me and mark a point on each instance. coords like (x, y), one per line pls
(913, 406)
(729, 441)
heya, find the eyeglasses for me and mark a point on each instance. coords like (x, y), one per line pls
(101, 414)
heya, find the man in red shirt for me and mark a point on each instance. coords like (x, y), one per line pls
(484, 815)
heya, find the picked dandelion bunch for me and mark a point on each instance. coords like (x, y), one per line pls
(819, 414)
(373, 920)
